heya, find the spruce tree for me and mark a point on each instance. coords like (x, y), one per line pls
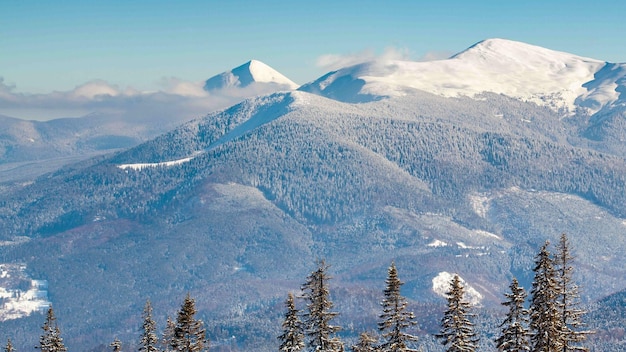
(149, 339)
(168, 335)
(514, 337)
(189, 333)
(9, 347)
(292, 338)
(568, 299)
(546, 323)
(318, 317)
(366, 343)
(395, 318)
(51, 340)
(457, 331)
(116, 345)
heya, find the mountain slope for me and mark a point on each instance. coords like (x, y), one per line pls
(235, 207)
(271, 184)
(558, 80)
(251, 72)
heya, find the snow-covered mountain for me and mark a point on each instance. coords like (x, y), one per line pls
(252, 72)
(236, 206)
(561, 81)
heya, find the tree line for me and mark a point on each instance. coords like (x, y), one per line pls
(550, 320)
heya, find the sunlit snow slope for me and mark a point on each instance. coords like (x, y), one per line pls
(251, 72)
(561, 81)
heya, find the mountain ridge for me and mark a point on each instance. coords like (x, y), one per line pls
(467, 185)
(251, 72)
(558, 80)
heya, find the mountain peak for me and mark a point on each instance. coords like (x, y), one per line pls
(253, 71)
(561, 81)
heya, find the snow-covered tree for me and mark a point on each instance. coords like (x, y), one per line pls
(149, 339)
(9, 347)
(546, 323)
(457, 331)
(116, 345)
(568, 299)
(168, 335)
(395, 318)
(366, 343)
(51, 340)
(292, 338)
(317, 318)
(514, 336)
(189, 333)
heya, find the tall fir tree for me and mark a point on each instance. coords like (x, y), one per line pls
(395, 318)
(168, 335)
(116, 345)
(546, 323)
(292, 338)
(514, 336)
(51, 340)
(457, 331)
(189, 333)
(317, 319)
(568, 299)
(366, 343)
(149, 340)
(9, 346)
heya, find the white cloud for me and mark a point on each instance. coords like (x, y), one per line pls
(95, 89)
(177, 101)
(332, 62)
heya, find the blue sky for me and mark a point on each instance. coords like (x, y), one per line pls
(58, 45)
(58, 57)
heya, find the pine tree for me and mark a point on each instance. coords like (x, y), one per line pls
(292, 338)
(9, 347)
(189, 333)
(116, 345)
(395, 318)
(514, 336)
(168, 335)
(319, 315)
(568, 299)
(366, 343)
(546, 323)
(51, 340)
(457, 331)
(149, 339)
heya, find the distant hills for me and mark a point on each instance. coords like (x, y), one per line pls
(404, 161)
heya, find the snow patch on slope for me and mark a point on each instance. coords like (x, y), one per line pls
(441, 285)
(141, 166)
(15, 302)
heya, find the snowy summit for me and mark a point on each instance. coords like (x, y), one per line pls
(560, 81)
(251, 72)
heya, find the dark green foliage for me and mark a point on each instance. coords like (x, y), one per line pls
(168, 335)
(514, 335)
(569, 300)
(546, 324)
(149, 340)
(51, 340)
(457, 331)
(366, 343)
(292, 338)
(318, 316)
(9, 347)
(189, 333)
(395, 319)
(116, 345)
